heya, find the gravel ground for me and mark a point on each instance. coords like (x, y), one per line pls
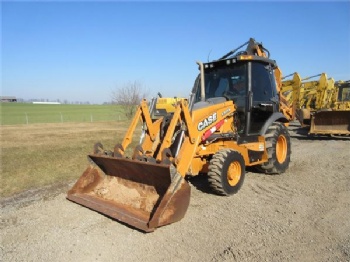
(301, 215)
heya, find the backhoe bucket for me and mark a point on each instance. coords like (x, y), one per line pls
(141, 194)
(330, 122)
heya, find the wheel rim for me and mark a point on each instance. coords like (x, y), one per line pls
(234, 173)
(281, 149)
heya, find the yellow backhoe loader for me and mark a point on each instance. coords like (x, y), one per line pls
(231, 120)
(321, 104)
(301, 95)
(341, 96)
(333, 117)
(164, 105)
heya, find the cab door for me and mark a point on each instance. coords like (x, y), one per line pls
(263, 100)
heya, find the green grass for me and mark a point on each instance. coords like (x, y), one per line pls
(26, 113)
(38, 155)
(44, 144)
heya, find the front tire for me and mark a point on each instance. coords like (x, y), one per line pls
(226, 172)
(278, 149)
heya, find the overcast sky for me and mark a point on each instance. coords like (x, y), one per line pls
(83, 51)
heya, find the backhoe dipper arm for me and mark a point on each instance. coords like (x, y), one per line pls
(253, 48)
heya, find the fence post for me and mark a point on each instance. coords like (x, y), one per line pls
(91, 118)
(61, 117)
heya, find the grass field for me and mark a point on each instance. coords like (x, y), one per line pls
(46, 144)
(27, 113)
(37, 155)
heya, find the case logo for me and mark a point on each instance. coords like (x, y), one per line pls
(206, 122)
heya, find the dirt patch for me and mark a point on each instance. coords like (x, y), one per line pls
(140, 197)
(301, 215)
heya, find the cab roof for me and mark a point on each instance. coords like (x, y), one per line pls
(239, 58)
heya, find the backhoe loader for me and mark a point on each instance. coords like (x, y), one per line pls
(164, 105)
(341, 96)
(333, 115)
(321, 104)
(231, 121)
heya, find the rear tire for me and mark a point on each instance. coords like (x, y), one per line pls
(226, 172)
(278, 149)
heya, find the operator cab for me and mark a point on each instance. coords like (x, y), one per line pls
(249, 82)
(343, 91)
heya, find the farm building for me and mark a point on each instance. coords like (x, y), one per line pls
(8, 99)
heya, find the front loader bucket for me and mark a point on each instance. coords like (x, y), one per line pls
(330, 122)
(141, 194)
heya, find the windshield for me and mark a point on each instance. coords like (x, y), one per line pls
(228, 81)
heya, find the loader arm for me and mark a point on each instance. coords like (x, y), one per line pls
(196, 127)
(149, 128)
(181, 116)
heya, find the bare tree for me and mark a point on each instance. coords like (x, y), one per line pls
(129, 96)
